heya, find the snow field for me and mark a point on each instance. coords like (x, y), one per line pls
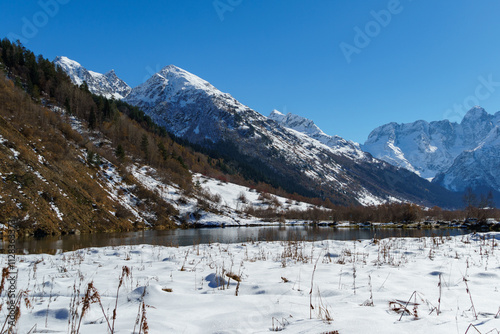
(229, 193)
(189, 289)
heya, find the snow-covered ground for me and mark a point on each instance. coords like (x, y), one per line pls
(233, 199)
(230, 195)
(357, 287)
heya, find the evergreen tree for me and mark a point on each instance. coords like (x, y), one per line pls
(106, 112)
(120, 152)
(145, 145)
(163, 151)
(85, 87)
(92, 119)
(67, 105)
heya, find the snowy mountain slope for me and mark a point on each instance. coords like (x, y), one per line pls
(477, 168)
(107, 85)
(185, 104)
(224, 211)
(307, 126)
(431, 148)
(191, 108)
(236, 197)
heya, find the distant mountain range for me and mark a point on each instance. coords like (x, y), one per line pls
(454, 155)
(288, 149)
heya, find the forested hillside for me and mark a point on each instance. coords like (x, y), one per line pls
(55, 137)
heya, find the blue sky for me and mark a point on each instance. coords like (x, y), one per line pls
(406, 60)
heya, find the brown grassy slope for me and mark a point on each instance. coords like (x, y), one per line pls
(49, 171)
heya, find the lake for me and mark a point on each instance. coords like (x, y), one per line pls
(187, 237)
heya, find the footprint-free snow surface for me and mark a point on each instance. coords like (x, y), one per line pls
(424, 285)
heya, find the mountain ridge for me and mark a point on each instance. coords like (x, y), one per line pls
(200, 113)
(442, 150)
(308, 127)
(291, 150)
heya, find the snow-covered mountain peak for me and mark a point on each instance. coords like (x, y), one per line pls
(276, 116)
(174, 87)
(306, 126)
(180, 79)
(173, 84)
(296, 122)
(475, 114)
(63, 60)
(73, 69)
(456, 155)
(110, 74)
(108, 85)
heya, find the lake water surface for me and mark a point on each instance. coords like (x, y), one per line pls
(180, 237)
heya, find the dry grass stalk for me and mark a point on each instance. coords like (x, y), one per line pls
(235, 277)
(17, 313)
(311, 307)
(439, 300)
(48, 304)
(323, 312)
(125, 273)
(5, 273)
(369, 302)
(237, 289)
(354, 277)
(277, 325)
(32, 330)
(470, 296)
(469, 327)
(91, 296)
(140, 312)
(73, 306)
(398, 307)
(143, 326)
(184, 263)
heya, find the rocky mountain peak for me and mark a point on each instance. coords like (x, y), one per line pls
(108, 85)
(276, 116)
(443, 150)
(475, 114)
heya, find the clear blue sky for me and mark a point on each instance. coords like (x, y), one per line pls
(286, 54)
